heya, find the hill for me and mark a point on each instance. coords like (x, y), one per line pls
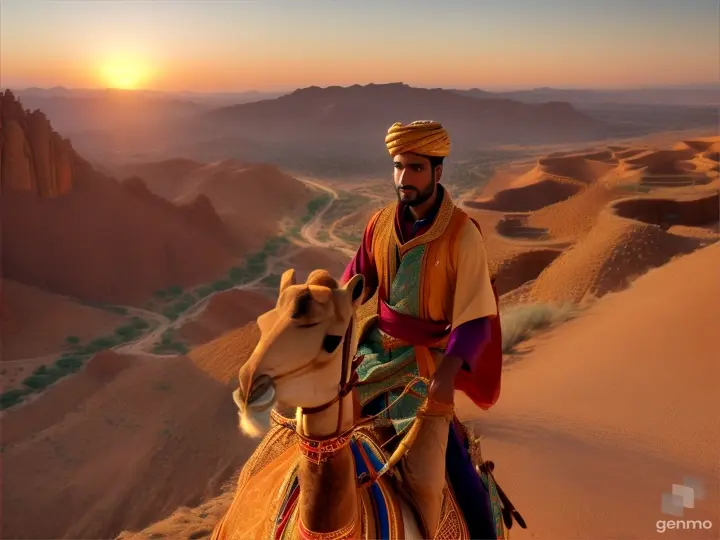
(252, 200)
(72, 230)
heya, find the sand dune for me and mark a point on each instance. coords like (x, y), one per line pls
(224, 311)
(517, 270)
(605, 413)
(120, 445)
(551, 180)
(612, 254)
(39, 322)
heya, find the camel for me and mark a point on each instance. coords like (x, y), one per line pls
(303, 480)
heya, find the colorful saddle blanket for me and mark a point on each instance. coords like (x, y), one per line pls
(265, 505)
(380, 511)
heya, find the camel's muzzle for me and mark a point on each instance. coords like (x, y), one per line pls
(262, 393)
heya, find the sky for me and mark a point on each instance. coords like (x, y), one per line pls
(271, 45)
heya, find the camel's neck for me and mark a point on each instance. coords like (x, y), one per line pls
(328, 500)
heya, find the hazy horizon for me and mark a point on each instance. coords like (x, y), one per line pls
(227, 46)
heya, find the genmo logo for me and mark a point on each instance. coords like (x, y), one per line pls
(682, 496)
(663, 525)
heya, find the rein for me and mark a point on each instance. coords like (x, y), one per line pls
(348, 380)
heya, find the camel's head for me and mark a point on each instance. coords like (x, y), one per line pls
(298, 360)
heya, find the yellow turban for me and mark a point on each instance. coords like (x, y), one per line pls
(420, 137)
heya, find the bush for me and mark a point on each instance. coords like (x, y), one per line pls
(520, 322)
(126, 332)
(174, 290)
(72, 340)
(42, 370)
(69, 364)
(205, 291)
(237, 275)
(140, 324)
(12, 397)
(160, 294)
(222, 284)
(105, 342)
(38, 382)
(170, 313)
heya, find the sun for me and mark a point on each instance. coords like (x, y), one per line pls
(125, 75)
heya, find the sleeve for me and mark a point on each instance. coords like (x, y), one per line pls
(363, 263)
(474, 297)
(468, 340)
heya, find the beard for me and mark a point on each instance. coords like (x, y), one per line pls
(414, 197)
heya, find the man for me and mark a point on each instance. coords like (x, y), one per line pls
(431, 314)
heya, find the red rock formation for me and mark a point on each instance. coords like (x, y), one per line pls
(70, 229)
(34, 156)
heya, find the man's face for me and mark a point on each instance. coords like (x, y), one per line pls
(414, 179)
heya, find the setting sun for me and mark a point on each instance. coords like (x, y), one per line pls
(125, 75)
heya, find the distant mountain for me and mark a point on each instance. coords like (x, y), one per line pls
(348, 124)
(692, 95)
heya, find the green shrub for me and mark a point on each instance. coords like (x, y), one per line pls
(174, 290)
(205, 291)
(222, 284)
(104, 342)
(140, 324)
(521, 321)
(41, 370)
(160, 294)
(72, 340)
(38, 382)
(126, 332)
(69, 363)
(13, 397)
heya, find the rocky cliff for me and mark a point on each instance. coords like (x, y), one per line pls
(34, 157)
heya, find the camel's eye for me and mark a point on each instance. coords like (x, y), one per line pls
(330, 343)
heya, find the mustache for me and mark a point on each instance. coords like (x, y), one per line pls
(408, 188)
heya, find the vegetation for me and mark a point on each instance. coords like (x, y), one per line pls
(272, 280)
(181, 305)
(169, 345)
(520, 322)
(346, 204)
(314, 206)
(72, 361)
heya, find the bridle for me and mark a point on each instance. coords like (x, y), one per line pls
(348, 374)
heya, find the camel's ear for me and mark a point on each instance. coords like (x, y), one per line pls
(320, 294)
(355, 286)
(287, 279)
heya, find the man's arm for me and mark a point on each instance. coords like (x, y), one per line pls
(473, 305)
(363, 263)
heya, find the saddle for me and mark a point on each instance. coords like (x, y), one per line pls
(266, 501)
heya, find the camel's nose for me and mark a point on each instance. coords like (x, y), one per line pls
(262, 392)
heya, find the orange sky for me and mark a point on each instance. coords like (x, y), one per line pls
(239, 45)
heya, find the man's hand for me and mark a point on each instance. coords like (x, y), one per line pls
(442, 384)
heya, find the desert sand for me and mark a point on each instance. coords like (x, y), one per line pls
(598, 418)
(37, 323)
